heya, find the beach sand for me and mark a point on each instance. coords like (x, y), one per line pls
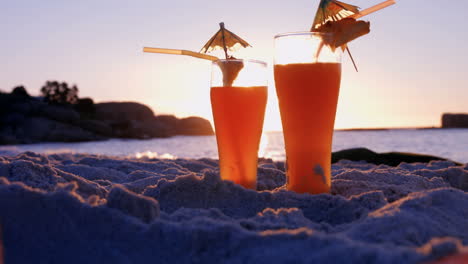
(77, 208)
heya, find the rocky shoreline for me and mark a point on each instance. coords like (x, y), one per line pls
(25, 119)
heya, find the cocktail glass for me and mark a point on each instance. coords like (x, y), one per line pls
(238, 100)
(307, 78)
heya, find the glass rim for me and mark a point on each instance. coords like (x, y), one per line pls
(302, 33)
(246, 60)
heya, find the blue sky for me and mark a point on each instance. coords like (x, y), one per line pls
(413, 65)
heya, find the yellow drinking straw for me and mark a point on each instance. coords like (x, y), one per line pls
(373, 9)
(180, 52)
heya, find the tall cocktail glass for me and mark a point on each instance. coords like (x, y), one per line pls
(307, 78)
(238, 101)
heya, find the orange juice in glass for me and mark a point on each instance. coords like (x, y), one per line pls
(307, 78)
(238, 100)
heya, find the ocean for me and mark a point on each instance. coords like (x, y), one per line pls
(447, 143)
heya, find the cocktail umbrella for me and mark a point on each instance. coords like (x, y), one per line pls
(332, 11)
(341, 19)
(224, 39)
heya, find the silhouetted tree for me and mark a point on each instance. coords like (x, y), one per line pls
(59, 93)
(20, 91)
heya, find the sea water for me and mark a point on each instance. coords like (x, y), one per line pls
(447, 143)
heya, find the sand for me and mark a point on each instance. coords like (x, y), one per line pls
(76, 208)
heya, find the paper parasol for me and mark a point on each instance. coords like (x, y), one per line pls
(224, 39)
(340, 19)
(332, 10)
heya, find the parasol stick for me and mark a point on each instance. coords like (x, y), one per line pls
(180, 52)
(373, 9)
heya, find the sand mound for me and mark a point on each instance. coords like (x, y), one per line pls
(73, 208)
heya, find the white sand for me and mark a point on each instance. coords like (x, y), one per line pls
(72, 208)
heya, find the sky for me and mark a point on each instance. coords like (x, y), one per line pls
(412, 66)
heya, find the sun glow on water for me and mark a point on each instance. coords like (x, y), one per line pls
(262, 150)
(153, 155)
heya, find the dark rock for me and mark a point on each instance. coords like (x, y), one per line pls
(61, 113)
(34, 129)
(455, 121)
(24, 108)
(15, 103)
(39, 129)
(122, 129)
(186, 126)
(99, 127)
(12, 119)
(154, 128)
(132, 120)
(85, 106)
(123, 111)
(7, 136)
(32, 107)
(140, 129)
(25, 119)
(194, 126)
(69, 133)
(390, 158)
(169, 121)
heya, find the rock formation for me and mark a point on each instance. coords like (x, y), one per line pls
(25, 119)
(455, 120)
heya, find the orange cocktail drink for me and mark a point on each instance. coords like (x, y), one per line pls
(307, 78)
(238, 105)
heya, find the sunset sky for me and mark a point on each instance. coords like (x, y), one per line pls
(413, 65)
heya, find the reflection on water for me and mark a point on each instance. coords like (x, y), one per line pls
(153, 155)
(264, 142)
(449, 143)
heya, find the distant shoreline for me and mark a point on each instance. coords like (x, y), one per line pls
(387, 128)
(383, 129)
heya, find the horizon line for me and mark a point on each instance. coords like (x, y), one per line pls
(376, 128)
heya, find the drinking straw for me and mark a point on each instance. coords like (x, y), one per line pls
(180, 52)
(373, 9)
